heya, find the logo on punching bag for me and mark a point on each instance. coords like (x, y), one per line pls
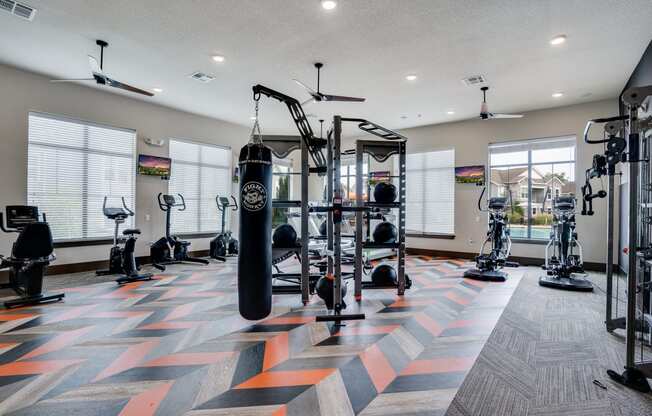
(254, 196)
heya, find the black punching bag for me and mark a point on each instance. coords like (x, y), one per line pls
(255, 257)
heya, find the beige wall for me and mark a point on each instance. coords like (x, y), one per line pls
(470, 140)
(21, 92)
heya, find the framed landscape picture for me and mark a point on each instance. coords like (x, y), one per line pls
(470, 174)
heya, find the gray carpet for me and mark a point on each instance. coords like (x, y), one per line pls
(543, 355)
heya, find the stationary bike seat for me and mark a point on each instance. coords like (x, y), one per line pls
(131, 231)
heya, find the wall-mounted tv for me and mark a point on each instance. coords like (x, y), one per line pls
(154, 165)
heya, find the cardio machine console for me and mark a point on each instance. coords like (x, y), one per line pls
(169, 200)
(497, 203)
(18, 216)
(564, 203)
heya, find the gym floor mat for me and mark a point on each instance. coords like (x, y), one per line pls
(177, 345)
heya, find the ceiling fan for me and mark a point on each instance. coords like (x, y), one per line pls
(484, 109)
(100, 77)
(318, 96)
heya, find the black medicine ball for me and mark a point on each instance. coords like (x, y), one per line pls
(384, 275)
(385, 233)
(284, 236)
(324, 289)
(385, 192)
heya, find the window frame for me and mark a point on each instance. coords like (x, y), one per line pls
(229, 169)
(530, 165)
(131, 221)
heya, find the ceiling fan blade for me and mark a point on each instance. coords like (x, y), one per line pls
(72, 80)
(127, 87)
(307, 88)
(95, 66)
(506, 115)
(328, 97)
(308, 102)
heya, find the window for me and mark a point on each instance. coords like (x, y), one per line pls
(348, 176)
(71, 166)
(200, 173)
(281, 188)
(430, 192)
(533, 172)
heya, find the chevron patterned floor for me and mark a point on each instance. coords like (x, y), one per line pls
(177, 346)
(546, 350)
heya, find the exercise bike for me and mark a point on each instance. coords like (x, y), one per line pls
(31, 254)
(563, 264)
(488, 265)
(121, 259)
(224, 244)
(171, 249)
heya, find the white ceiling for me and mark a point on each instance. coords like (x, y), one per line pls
(368, 47)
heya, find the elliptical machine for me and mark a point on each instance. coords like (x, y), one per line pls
(224, 244)
(564, 263)
(121, 259)
(489, 265)
(170, 249)
(31, 254)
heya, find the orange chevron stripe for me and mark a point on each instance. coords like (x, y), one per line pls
(438, 365)
(429, 324)
(457, 298)
(476, 283)
(367, 330)
(19, 368)
(124, 292)
(172, 325)
(58, 342)
(288, 320)
(128, 359)
(13, 316)
(282, 411)
(147, 402)
(276, 351)
(197, 358)
(413, 302)
(378, 367)
(286, 378)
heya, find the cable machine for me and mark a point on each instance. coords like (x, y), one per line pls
(635, 148)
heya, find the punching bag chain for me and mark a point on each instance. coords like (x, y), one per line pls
(256, 136)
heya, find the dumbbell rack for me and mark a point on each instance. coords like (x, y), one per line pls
(381, 151)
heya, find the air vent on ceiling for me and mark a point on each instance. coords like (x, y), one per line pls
(474, 80)
(17, 9)
(200, 76)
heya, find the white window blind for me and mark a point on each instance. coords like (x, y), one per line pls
(430, 192)
(72, 165)
(200, 172)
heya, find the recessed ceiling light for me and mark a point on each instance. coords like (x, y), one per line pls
(411, 77)
(218, 58)
(557, 95)
(328, 4)
(252, 118)
(450, 112)
(157, 89)
(558, 40)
